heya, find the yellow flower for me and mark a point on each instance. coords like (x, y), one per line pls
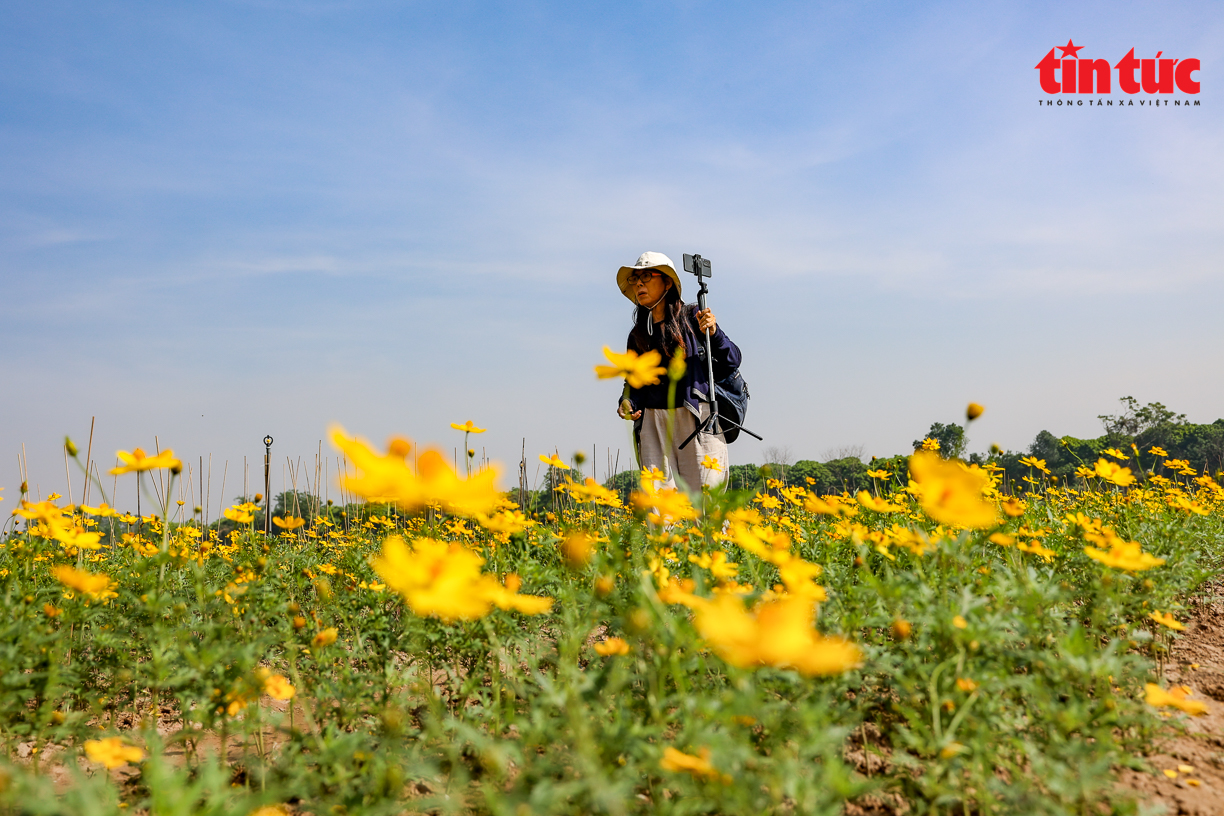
(554, 461)
(710, 463)
(468, 427)
(1034, 462)
(95, 586)
(776, 633)
(112, 752)
(1156, 450)
(238, 514)
(1115, 453)
(879, 474)
(77, 537)
(611, 646)
(930, 444)
(1165, 619)
(952, 493)
(1013, 507)
(325, 637)
(290, 523)
(137, 460)
(445, 581)
(1002, 539)
(974, 411)
(270, 810)
(279, 688)
(877, 504)
(638, 370)
(1113, 472)
(1123, 555)
(966, 685)
(390, 478)
(698, 765)
(104, 510)
(959, 622)
(1175, 698)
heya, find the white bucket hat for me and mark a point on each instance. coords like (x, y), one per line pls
(647, 260)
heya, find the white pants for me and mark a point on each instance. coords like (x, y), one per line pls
(659, 446)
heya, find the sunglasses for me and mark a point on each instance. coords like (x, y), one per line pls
(643, 276)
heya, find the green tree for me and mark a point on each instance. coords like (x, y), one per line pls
(804, 469)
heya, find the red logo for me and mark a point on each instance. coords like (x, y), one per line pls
(1069, 73)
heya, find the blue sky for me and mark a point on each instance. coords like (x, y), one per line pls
(220, 220)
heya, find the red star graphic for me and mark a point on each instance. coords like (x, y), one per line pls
(1070, 49)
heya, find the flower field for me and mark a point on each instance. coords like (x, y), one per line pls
(936, 644)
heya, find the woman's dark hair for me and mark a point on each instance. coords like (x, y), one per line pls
(675, 326)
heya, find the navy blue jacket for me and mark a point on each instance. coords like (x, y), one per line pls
(693, 387)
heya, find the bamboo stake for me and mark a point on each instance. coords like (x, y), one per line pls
(88, 459)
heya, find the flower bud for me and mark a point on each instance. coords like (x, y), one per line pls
(70, 446)
(677, 367)
(973, 411)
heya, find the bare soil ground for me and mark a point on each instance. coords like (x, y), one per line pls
(1198, 662)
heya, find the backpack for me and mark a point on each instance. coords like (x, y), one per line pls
(731, 394)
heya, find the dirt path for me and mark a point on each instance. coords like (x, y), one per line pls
(1198, 662)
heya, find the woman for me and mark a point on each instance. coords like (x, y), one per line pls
(663, 322)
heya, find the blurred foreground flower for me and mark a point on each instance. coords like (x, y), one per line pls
(611, 646)
(1174, 698)
(638, 370)
(666, 506)
(952, 493)
(388, 477)
(279, 688)
(698, 766)
(1165, 619)
(776, 633)
(87, 583)
(112, 752)
(445, 581)
(137, 461)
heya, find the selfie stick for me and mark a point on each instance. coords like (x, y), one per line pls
(700, 267)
